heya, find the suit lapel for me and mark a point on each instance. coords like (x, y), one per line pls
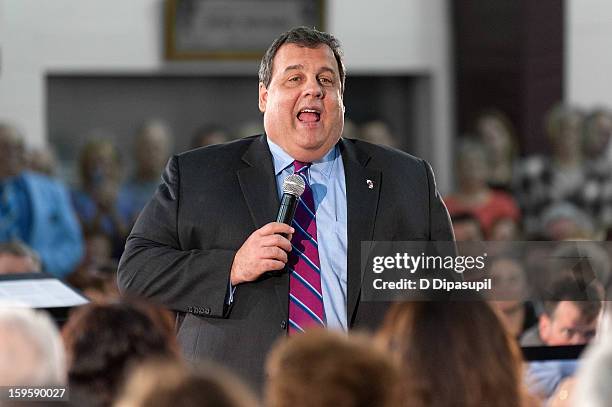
(258, 184)
(362, 195)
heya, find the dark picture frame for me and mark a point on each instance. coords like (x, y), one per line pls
(233, 29)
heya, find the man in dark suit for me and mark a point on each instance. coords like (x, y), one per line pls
(206, 245)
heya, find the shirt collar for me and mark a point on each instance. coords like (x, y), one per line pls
(283, 160)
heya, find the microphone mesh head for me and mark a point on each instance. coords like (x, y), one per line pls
(294, 185)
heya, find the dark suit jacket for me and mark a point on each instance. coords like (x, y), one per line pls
(182, 246)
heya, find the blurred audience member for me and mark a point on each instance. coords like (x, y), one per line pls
(96, 276)
(98, 203)
(598, 151)
(207, 135)
(161, 383)
(509, 293)
(454, 355)
(150, 152)
(31, 351)
(570, 319)
(16, 257)
(505, 229)
(497, 134)
(328, 369)
(103, 341)
(596, 142)
(466, 227)
(36, 209)
(378, 132)
(542, 181)
(564, 221)
(590, 387)
(474, 195)
(42, 160)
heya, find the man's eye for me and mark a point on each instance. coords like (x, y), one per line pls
(294, 79)
(589, 335)
(568, 333)
(326, 81)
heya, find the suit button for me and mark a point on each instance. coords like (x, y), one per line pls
(283, 324)
(207, 311)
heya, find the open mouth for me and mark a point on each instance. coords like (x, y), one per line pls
(309, 115)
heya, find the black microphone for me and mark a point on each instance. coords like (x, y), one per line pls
(293, 188)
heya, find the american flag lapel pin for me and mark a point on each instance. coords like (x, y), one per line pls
(370, 183)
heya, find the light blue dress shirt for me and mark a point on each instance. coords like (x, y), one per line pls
(326, 178)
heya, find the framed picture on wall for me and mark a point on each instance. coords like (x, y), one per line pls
(233, 29)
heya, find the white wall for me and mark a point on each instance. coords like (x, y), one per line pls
(118, 36)
(588, 59)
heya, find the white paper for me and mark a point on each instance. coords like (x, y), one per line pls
(39, 293)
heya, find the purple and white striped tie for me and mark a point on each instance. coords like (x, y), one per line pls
(305, 295)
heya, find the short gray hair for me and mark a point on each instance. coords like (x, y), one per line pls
(303, 37)
(28, 335)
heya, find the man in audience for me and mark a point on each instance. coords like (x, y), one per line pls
(327, 369)
(570, 319)
(17, 257)
(31, 351)
(36, 209)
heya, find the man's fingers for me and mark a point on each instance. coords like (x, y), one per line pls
(275, 253)
(275, 228)
(277, 241)
(271, 265)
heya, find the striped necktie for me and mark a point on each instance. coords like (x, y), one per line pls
(305, 295)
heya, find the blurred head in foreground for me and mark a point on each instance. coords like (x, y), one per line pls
(453, 354)
(166, 383)
(103, 341)
(31, 351)
(327, 369)
(595, 375)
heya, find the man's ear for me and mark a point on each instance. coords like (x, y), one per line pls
(263, 97)
(544, 327)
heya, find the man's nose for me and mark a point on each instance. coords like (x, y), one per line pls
(314, 88)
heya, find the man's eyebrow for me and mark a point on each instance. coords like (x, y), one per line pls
(294, 67)
(301, 67)
(328, 69)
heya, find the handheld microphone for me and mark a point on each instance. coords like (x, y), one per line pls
(293, 188)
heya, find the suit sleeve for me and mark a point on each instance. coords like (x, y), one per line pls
(440, 225)
(155, 266)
